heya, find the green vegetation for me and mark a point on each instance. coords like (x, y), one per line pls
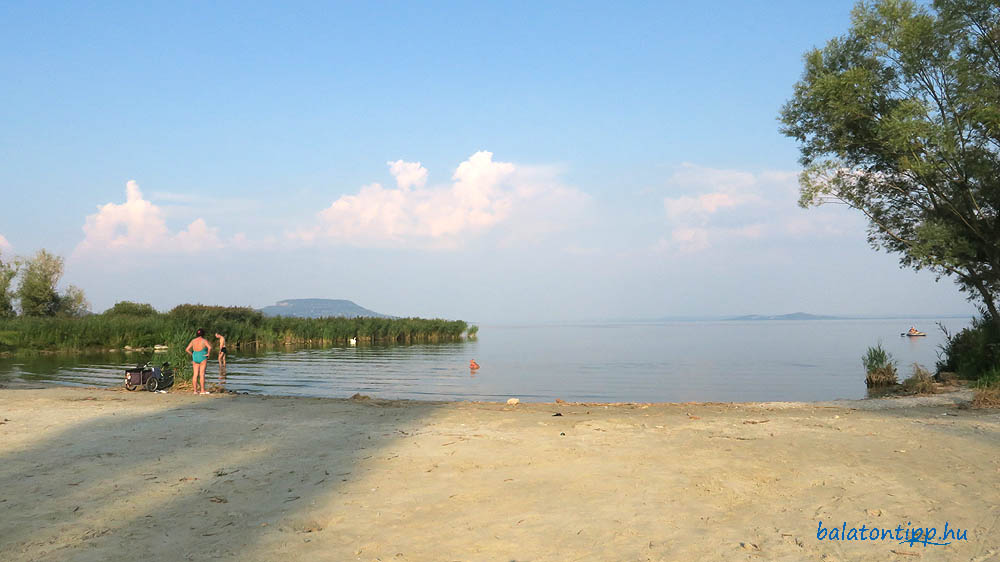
(36, 293)
(899, 119)
(879, 366)
(50, 321)
(989, 379)
(987, 390)
(972, 353)
(129, 308)
(139, 325)
(8, 272)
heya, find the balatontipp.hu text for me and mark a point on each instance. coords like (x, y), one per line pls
(909, 534)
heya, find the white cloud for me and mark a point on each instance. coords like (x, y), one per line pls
(483, 194)
(198, 236)
(408, 174)
(719, 206)
(138, 224)
(5, 247)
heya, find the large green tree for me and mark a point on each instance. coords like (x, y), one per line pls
(900, 119)
(8, 271)
(73, 302)
(37, 289)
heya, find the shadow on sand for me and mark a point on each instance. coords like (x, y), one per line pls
(184, 477)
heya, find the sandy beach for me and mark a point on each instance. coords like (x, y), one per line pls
(92, 474)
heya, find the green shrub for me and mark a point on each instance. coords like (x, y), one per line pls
(972, 352)
(129, 308)
(880, 367)
(988, 379)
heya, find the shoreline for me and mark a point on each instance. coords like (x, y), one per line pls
(88, 474)
(956, 395)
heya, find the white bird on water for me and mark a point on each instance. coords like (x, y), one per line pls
(353, 341)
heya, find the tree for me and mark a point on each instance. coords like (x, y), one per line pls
(73, 302)
(37, 290)
(900, 119)
(129, 308)
(8, 271)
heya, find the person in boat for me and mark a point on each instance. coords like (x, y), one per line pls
(200, 349)
(913, 330)
(473, 365)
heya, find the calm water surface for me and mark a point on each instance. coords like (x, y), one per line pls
(662, 362)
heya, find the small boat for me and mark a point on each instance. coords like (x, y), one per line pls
(913, 334)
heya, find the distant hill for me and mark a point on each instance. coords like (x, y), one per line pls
(319, 308)
(792, 316)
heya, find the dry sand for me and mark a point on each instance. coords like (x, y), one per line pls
(104, 475)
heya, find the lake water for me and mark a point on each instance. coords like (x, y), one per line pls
(608, 362)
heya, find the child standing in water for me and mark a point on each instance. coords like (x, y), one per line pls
(222, 350)
(199, 348)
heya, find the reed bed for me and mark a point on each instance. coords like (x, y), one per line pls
(244, 328)
(880, 367)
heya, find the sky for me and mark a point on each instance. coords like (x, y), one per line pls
(505, 162)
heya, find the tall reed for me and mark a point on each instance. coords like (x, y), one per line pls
(880, 367)
(243, 328)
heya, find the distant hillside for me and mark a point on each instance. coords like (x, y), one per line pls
(792, 316)
(319, 308)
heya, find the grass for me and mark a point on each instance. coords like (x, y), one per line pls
(880, 367)
(244, 328)
(986, 397)
(920, 382)
(987, 390)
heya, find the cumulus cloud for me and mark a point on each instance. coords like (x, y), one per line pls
(5, 247)
(408, 174)
(713, 206)
(138, 224)
(483, 194)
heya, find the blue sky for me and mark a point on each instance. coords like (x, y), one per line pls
(534, 161)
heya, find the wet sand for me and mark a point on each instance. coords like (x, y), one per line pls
(111, 475)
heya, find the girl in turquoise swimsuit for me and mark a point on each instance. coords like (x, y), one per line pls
(199, 348)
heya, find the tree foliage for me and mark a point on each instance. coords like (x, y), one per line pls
(900, 119)
(73, 302)
(8, 271)
(37, 290)
(129, 308)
